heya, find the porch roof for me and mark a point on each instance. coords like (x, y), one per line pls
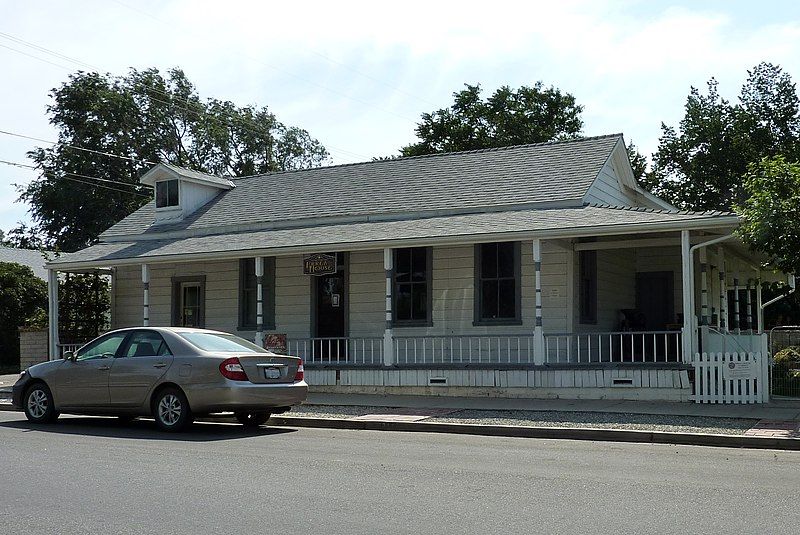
(588, 220)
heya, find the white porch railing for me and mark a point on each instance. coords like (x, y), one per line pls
(341, 350)
(623, 346)
(468, 349)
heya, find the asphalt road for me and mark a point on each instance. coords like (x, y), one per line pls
(93, 475)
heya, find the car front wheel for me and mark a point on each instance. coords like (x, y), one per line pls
(171, 410)
(38, 404)
(252, 419)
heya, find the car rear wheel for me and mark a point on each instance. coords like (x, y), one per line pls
(252, 419)
(171, 410)
(38, 404)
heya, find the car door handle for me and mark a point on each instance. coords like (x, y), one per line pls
(159, 365)
(104, 368)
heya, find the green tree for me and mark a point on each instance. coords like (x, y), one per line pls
(770, 215)
(508, 117)
(23, 297)
(701, 164)
(145, 117)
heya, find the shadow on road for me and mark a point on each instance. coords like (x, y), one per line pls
(145, 429)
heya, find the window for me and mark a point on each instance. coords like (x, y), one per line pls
(248, 291)
(412, 286)
(497, 284)
(224, 343)
(166, 193)
(188, 301)
(587, 286)
(104, 347)
(146, 344)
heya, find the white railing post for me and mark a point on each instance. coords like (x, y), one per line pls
(736, 318)
(538, 333)
(388, 344)
(146, 295)
(259, 301)
(688, 296)
(759, 302)
(704, 287)
(52, 313)
(723, 292)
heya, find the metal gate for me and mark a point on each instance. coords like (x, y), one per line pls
(785, 372)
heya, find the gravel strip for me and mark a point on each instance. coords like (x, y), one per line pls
(601, 420)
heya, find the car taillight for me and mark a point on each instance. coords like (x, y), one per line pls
(298, 376)
(232, 369)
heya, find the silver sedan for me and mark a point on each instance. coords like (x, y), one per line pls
(172, 374)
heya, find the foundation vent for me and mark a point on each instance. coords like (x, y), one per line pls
(439, 381)
(622, 381)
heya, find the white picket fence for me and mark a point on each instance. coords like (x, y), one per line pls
(731, 378)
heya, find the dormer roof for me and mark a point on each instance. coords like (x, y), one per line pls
(167, 171)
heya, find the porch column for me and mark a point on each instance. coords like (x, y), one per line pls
(388, 340)
(759, 302)
(687, 275)
(704, 287)
(52, 314)
(259, 301)
(146, 295)
(538, 333)
(748, 305)
(723, 291)
(736, 302)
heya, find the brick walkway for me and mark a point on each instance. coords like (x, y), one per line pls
(775, 428)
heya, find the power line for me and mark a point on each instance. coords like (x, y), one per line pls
(146, 87)
(76, 147)
(76, 175)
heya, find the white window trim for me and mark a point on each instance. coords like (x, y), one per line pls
(166, 209)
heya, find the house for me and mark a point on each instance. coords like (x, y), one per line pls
(32, 258)
(533, 270)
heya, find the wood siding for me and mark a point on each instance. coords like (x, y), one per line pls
(606, 189)
(452, 280)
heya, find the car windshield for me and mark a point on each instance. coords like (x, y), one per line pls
(226, 343)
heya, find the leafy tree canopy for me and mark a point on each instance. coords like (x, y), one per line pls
(23, 297)
(508, 117)
(146, 117)
(700, 164)
(770, 214)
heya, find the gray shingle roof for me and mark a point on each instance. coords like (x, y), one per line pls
(28, 257)
(576, 221)
(544, 172)
(197, 175)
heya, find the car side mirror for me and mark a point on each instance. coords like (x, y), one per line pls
(69, 355)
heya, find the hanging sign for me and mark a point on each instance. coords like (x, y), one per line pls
(319, 264)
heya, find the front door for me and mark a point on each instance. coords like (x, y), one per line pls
(655, 299)
(330, 313)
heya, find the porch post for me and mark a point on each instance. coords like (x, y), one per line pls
(759, 302)
(538, 333)
(723, 291)
(259, 301)
(146, 295)
(704, 287)
(388, 340)
(688, 297)
(52, 314)
(736, 302)
(748, 304)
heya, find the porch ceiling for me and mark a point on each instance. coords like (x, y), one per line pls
(592, 220)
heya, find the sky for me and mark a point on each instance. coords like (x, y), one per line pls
(357, 75)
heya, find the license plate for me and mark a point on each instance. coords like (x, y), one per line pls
(272, 373)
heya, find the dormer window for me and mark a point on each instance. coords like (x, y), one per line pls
(167, 193)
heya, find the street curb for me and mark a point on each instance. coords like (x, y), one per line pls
(521, 431)
(560, 433)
